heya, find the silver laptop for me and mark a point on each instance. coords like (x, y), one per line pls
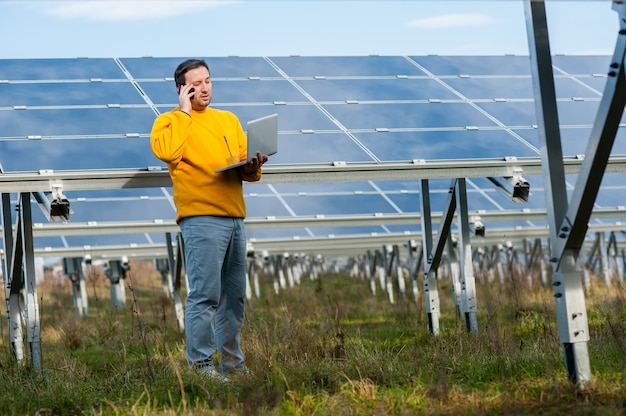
(262, 137)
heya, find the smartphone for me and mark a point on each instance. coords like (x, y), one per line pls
(191, 90)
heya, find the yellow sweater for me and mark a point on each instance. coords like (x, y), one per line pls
(193, 147)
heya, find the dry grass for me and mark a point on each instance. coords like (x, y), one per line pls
(323, 347)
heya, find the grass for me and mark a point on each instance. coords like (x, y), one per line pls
(324, 347)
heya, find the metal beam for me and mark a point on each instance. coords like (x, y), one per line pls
(468, 285)
(7, 233)
(573, 226)
(259, 223)
(29, 280)
(434, 255)
(431, 292)
(155, 177)
(566, 280)
(338, 245)
(546, 113)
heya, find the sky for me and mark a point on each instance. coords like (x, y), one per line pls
(205, 28)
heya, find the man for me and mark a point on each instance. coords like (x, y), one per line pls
(195, 140)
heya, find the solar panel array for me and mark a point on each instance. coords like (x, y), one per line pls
(86, 114)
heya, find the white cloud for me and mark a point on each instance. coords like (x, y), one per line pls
(116, 10)
(452, 20)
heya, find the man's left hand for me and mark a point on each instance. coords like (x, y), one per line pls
(254, 165)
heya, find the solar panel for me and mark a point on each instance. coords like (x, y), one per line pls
(91, 114)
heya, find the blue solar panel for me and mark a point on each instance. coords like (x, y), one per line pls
(582, 65)
(69, 93)
(318, 148)
(353, 66)
(77, 154)
(451, 144)
(514, 88)
(408, 115)
(84, 114)
(220, 67)
(115, 209)
(290, 117)
(472, 65)
(60, 69)
(77, 121)
(376, 89)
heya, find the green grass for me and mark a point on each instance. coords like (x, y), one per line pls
(324, 347)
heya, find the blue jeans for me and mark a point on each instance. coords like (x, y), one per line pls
(215, 263)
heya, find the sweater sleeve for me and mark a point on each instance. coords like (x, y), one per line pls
(169, 134)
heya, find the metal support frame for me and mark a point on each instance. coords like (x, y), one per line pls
(569, 221)
(116, 273)
(385, 271)
(163, 266)
(73, 268)
(602, 258)
(252, 272)
(455, 273)
(605, 266)
(537, 263)
(433, 251)
(573, 226)
(278, 270)
(468, 281)
(7, 233)
(176, 265)
(457, 201)
(22, 307)
(379, 269)
(286, 269)
(13, 289)
(528, 253)
(399, 272)
(431, 293)
(370, 270)
(415, 257)
(613, 252)
(516, 187)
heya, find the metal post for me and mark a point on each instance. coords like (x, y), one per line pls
(175, 266)
(571, 315)
(455, 272)
(74, 270)
(569, 221)
(7, 230)
(289, 271)
(13, 278)
(386, 270)
(369, 260)
(468, 282)
(115, 273)
(605, 269)
(33, 324)
(431, 293)
(415, 260)
(399, 272)
(613, 253)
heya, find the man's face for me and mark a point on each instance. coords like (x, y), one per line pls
(201, 81)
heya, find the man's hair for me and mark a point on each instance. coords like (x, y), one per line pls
(184, 67)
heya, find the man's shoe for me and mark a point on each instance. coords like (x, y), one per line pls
(242, 371)
(213, 374)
